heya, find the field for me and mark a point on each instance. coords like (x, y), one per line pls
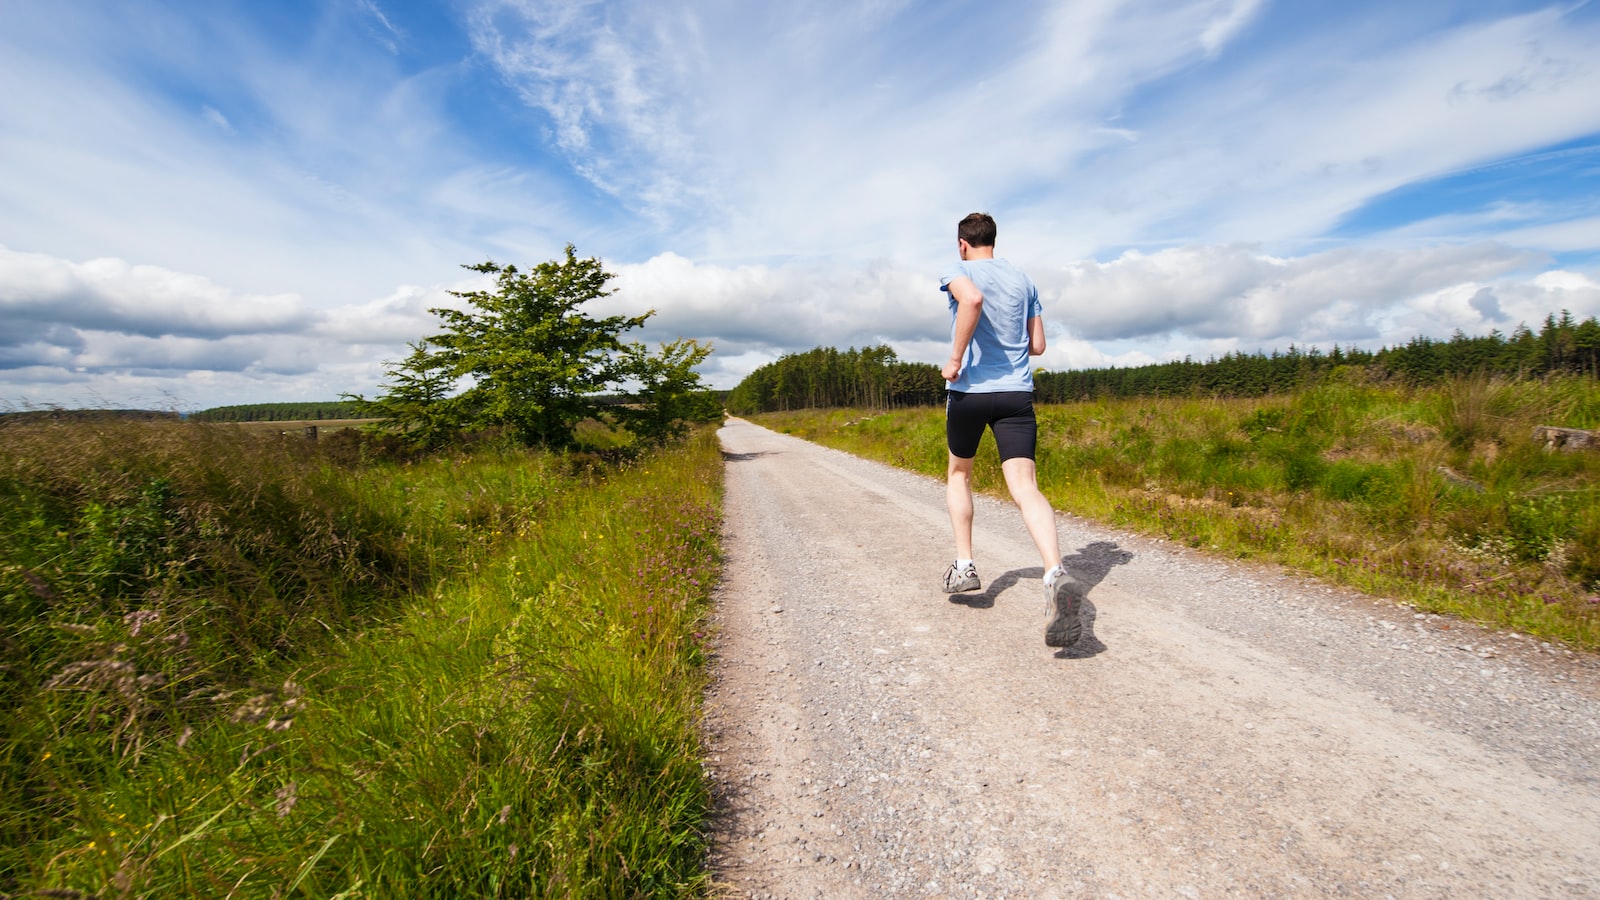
(238, 667)
(298, 426)
(1436, 497)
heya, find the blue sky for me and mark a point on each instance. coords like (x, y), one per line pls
(236, 202)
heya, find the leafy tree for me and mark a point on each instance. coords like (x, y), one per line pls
(527, 358)
(670, 394)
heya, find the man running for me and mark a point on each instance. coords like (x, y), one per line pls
(996, 326)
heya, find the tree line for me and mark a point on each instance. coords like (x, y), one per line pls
(279, 412)
(872, 377)
(875, 378)
(1562, 345)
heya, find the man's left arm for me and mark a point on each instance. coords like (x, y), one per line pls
(1036, 336)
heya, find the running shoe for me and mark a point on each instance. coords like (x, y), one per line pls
(1062, 597)
(958, 580)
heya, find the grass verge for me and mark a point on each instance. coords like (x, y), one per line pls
(1439, 498)
(510, 714)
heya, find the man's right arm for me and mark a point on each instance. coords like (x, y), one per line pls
(969, 308)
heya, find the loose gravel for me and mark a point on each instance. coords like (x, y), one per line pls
(1221, 729)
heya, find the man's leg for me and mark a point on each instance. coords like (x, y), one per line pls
(1063, 593)
(1022, 480)
(958, 497)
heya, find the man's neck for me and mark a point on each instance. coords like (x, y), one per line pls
(972, 252)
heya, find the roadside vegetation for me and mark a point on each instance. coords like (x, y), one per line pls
(456, 654)
(236, 667)
(1437, 496)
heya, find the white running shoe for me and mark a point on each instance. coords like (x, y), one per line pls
(1062, 598)
(959, 580)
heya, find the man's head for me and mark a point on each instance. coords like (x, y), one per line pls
(977, 229)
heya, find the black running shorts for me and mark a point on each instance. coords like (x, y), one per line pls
(1009, 415)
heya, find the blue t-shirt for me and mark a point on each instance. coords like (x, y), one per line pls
(997, 357)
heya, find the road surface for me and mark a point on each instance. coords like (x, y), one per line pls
(1220, 730)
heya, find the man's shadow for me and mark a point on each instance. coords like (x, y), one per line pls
(1090, 566)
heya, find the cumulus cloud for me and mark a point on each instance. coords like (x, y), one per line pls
(400, 318)
(112, 295)
(1189, 301)
(154, 333)
(797, 306)
(105, 326)
(1237, 290)
(1246, 299)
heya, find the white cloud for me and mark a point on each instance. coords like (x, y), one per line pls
(762, 140)
(111, 295)
(1197, 301)
(1252, 301)
(389, 33)
(157, 336)
(1236, 15)
(1279, 148)
(401, 318)
(1238, 291)
(1578, 235)
(791, 307)
(317, 174)
(605, 75)
(215, 117)
(106, 332)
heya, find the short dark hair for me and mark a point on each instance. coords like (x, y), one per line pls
(977, 229)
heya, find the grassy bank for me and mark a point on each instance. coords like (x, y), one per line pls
(1438, 497)
(234, 669)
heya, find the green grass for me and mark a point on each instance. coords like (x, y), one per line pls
(496, 697)
(1438, 498)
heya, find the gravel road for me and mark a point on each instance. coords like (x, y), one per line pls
(1221, 729)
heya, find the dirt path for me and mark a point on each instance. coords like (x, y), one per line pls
(1220, 729)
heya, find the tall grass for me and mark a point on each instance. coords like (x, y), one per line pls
(1438, 497)
(473, 676)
